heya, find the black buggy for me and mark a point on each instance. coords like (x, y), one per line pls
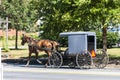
(81, 52)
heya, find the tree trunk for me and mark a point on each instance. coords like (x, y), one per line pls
(16, 40)
(104, 37)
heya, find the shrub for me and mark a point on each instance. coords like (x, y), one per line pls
(112, 39)
(35, 36)
(11, 37)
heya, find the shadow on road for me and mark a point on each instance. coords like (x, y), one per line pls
(22, 61)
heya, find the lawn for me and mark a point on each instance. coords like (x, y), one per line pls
(10, 43)
(20, 53)
(113, 52)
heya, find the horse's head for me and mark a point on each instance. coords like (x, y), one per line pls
(25, 39)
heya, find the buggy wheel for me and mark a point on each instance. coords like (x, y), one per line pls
(55, 60)
(101, 60)
(84, 60)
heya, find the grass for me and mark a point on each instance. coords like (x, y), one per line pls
(10, 43)
(113, 52)
(20, 53)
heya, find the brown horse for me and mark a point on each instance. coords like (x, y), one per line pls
(39, 45)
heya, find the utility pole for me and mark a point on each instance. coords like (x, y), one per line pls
(7, 30)
(6, 22)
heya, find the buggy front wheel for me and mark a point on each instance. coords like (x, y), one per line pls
(55, 60)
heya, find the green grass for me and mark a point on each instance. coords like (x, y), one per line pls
(10, 43)
(114, 52)
(17, 53)
(20, 53)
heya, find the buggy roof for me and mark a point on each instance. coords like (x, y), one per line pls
(77, 33)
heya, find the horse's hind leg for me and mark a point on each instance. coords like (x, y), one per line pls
(49, 54)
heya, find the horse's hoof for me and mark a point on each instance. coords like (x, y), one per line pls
(26, 65)
(45, 66)
(39, 61)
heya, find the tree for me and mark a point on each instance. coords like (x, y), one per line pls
(18, 13)
(104, 11)
(61, 15)
(77, 15)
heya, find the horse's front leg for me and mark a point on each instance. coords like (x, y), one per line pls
(28, 62)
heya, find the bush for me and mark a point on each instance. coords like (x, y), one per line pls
(1, 37)
(112, 39)
(99, 39)
(35, 36)
(11, 37)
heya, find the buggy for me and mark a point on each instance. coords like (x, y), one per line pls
(81, 52)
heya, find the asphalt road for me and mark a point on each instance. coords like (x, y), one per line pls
(36, 72)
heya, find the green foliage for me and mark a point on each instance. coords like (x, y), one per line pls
(99, 39)
(63, 41)
(17, 12)
(61, 15)
(112, 39)
(5, 46)
(74, 15)
(35, 36)
(11, 37)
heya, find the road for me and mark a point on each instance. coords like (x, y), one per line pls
(19, 72)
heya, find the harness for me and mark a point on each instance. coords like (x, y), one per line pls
(32, 43)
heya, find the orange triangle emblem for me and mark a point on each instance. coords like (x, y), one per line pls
(93, 54)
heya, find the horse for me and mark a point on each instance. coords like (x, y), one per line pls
(39, 45)
(55, 46)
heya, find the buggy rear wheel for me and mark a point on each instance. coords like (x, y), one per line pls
(101, 60)
(55, 60)
(84, 60)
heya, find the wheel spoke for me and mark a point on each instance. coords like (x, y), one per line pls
(101, 60)
(84, 60)
(56, 60)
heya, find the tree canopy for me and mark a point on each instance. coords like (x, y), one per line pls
(63, 15)
(18, 13)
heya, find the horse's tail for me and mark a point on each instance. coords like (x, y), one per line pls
(55, 45)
